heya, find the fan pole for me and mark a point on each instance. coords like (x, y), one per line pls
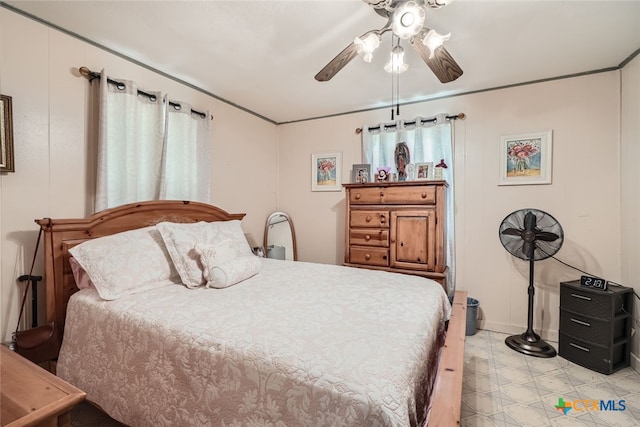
(529, 343)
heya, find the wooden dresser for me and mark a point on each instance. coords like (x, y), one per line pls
(397, 226)
(32, 396)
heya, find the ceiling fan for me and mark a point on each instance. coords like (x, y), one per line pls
(405, 19)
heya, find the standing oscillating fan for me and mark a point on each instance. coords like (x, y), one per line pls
(531, 235)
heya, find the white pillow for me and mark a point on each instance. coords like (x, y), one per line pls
(231, 272)
(180, 240)
(126, 263)
(217, 254)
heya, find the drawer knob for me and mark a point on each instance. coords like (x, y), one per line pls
(357, 196)
(382, 219)
(367, 237)
(382, 194)
(424, 195)
(368, 218)
(367, 257)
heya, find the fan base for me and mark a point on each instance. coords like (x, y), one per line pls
(529, 343)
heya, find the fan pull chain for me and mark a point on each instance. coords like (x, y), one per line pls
(398, 94)
(392, 85)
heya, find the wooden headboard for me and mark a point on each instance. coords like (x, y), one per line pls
(62, 234)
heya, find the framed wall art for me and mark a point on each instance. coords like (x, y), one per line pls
(526, 158)
(6, 135)
(361, 173)
(326, 170)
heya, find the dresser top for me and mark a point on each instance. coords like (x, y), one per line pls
(426, 183)
(611, 289)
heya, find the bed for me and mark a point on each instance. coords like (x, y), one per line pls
(288, 344)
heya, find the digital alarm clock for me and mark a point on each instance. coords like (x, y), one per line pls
(593, 282)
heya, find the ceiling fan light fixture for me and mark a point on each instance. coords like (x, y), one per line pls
(396, 62)
(433, 40)
(367, 45)
(407, 20)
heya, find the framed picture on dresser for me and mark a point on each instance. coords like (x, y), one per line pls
(361, 173)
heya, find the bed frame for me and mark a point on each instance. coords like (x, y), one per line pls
(62, 234)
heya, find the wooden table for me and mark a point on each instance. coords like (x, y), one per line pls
(31, 396)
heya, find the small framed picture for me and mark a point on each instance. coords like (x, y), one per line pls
(423, 171)
(525, 158)
(361, 173)
(326, 171)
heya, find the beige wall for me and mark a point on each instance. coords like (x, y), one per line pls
(38, 68)
(630, 190)
(584, 114)
(594, 192)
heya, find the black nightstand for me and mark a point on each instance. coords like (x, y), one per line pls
(595, 326)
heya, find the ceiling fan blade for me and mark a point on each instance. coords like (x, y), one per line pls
(442, 64)
(546, 236)
(343, 58)
(337, 63)
(512, 232)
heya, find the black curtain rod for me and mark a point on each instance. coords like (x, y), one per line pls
(393, 125)
(92, 75)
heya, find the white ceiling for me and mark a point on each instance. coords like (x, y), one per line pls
(263, 55)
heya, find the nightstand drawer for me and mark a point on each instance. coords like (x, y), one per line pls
(369, 219)
(590, 328)
(592, 303)
(602, 359)
(369, 237)
(369, 256)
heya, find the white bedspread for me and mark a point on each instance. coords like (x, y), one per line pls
(299, 344)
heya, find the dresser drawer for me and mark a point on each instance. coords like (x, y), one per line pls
(592, 329)
(369, 256)
(602, 359)
(595, 304)
(369, 219)
(414, 195)
(369, 236)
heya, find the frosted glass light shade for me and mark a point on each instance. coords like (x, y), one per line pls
(396, 62)
(366, 46)
(433, 40)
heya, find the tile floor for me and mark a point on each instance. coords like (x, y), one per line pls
(502, 387)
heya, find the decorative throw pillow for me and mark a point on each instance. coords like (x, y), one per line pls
(216, 254)
(126, 263)
(180, 240)
(231, 272)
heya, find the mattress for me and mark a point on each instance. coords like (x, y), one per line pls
(298, 344)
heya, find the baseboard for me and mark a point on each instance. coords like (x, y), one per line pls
(514, 330)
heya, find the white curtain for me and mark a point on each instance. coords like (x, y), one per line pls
(147, 149)
(428, 140)
(187, 158)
